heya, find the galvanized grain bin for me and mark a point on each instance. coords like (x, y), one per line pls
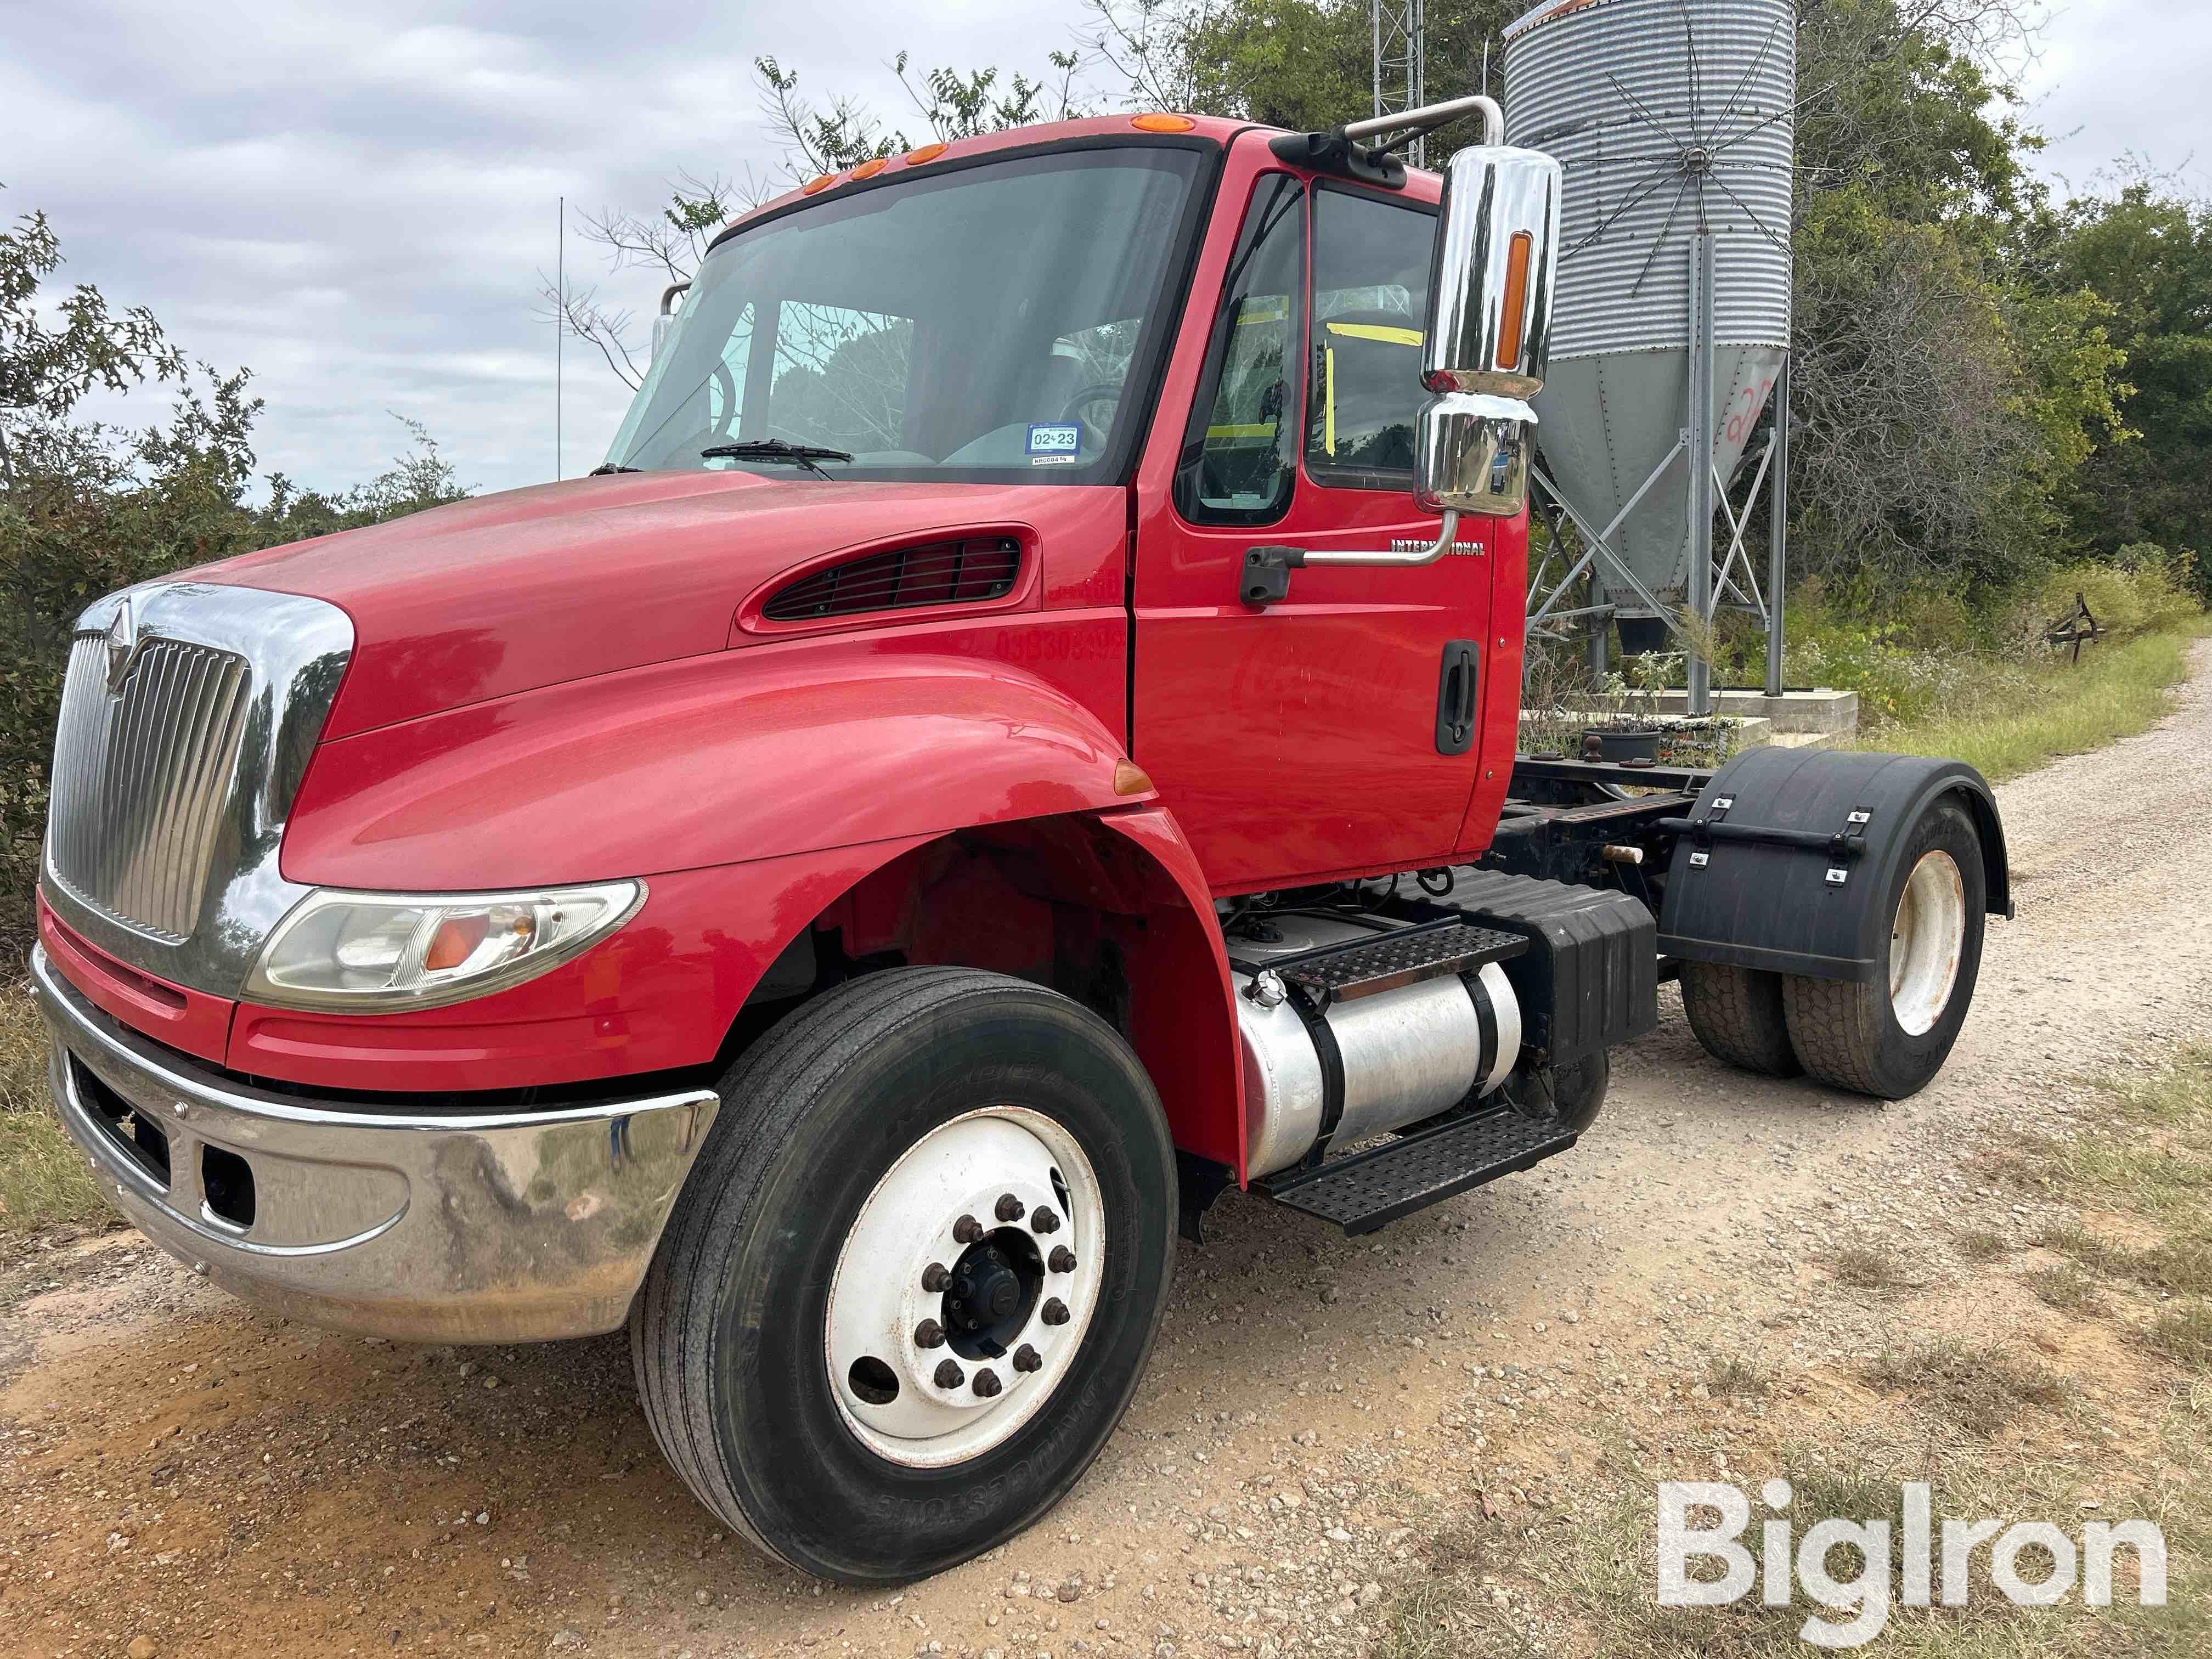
(1667, 115)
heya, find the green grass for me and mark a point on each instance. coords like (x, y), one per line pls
(1979, 1388)
(1864, 1267)
(44, 1182)
(2026, 719)
(1979, 1245)
(2184, 1334)
(1734, 1379)
(2067, 1289)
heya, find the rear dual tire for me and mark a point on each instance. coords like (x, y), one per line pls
(812, 1226)
(1886, 1037)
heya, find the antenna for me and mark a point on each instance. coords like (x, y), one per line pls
(559, 324)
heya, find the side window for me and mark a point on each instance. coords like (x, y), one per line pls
(1239, 458)
(1370, 290)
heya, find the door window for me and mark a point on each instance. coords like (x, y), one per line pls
(1239, 456)
(1371, 282)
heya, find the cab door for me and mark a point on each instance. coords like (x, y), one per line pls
(1301, 741)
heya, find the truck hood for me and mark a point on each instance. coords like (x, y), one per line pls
(504, 593)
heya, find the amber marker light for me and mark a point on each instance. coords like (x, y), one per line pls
(870, 169)
(1162, 123)
(1518, 254)
(1131, 779)
(914, 158)
(816, 186)
(457, 936)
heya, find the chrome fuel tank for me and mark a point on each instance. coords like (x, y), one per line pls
(1407, 1053)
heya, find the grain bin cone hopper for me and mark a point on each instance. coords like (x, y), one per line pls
(1673, 120)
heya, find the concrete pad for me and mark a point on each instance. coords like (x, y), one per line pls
(1793, 711)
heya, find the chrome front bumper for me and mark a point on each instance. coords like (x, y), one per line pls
(461, 1227)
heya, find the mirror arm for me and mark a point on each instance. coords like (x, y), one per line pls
(1412, 123)
(1445, 539)
(1265, 579)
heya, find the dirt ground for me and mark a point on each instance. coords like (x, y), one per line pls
(184, 1476)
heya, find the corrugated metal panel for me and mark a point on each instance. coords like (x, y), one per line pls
(1620, 91)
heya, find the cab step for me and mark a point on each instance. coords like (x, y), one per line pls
(1372, 1189)
(1403, 956)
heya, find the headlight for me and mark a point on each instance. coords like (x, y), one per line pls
(372, 952)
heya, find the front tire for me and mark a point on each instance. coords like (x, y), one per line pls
(907, 1137)
(1890, 1037)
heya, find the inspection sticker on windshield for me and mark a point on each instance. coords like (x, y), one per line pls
(1054, 446)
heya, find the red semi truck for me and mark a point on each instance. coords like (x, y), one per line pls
(1017, 740)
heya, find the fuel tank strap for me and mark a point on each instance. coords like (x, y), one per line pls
(1331, 1057)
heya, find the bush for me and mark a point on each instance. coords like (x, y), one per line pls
(2145, 590)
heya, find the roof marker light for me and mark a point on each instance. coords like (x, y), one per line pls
(816, 186)
(915, 157)
(870, 169)
(1162, 123)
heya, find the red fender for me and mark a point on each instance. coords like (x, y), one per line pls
(1183, 1019)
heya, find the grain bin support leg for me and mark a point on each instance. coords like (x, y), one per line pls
(1777, 533)
(1699, 702)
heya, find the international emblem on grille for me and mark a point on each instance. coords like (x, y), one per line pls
(121, 640)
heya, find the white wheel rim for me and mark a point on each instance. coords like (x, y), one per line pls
(1926, 941)
(878, 1301)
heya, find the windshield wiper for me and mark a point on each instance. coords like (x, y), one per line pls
(611, 468)
(775, 449)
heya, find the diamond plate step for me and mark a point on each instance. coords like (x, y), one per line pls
(1369, 1189)
(1364, 968)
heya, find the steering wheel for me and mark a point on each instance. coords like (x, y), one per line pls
(1081, 407)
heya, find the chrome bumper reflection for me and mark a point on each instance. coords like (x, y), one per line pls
(500, 1227)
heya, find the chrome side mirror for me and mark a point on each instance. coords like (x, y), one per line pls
(1489, 322)
(665, 319)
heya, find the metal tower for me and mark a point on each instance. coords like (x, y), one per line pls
(1402, 63)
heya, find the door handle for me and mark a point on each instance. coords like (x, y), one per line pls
(1456, 685)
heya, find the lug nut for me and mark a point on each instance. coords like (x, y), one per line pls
(1054, 1312)
(967, 1229)
(935, 1276)
(1044, 1220)
(929, 1334)
(1062, 1259)
(987, 1383)
(1026, 1358)
(948, 1376)
(1010, 1207)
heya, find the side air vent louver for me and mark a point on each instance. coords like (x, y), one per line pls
(964, 572)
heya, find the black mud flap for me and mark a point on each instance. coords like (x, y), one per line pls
(1782, 862)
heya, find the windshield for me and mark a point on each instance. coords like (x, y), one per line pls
(982, 324)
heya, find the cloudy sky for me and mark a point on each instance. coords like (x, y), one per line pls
(357, 200)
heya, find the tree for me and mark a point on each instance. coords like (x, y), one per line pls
(90, 506)
(2146, 251)
(45, 370)
(815, 139)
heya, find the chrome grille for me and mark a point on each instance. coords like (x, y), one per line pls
(141, 778)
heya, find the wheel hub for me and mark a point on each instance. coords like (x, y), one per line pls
(964, 1286)
(993, 1285)
(1927, 942)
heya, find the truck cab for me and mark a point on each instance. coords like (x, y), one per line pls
(1016, 740)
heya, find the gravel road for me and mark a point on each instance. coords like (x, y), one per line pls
(183, 1476)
